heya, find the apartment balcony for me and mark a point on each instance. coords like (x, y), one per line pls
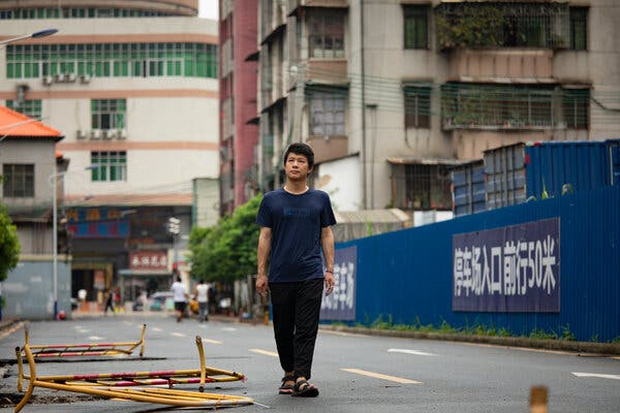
(327, 148)
(501, 66)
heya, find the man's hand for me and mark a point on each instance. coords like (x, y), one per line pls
(329, 283)
(261, 285)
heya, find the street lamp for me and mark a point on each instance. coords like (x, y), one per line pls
(35, 35)
(54, 177)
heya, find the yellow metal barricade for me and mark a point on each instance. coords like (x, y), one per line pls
(114, 385)
(90, 349)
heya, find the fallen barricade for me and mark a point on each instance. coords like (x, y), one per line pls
(136, 386)
(89, 349)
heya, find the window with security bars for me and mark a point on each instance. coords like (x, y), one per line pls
(416, 26)
(75, 13)
(472, 106)
(18, 180)
(108, 166)
(30, 108)
(108, 113)
(575, 105)
(578, 28)
(422, 187)
(327, 113)
(326, 34)
(112, 60)
(478, 24)
(417, 107)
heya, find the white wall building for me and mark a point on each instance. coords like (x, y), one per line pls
(133, 87)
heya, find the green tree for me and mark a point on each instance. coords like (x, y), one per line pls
(227, 251)
(9, 244)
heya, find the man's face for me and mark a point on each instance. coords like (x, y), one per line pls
(296, 167)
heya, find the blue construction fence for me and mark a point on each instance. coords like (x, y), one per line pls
(550, 265)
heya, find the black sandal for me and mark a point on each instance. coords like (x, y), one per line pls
(287, 388)
(304, 389)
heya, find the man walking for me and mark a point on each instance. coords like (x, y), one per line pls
(295, 226)
(180, 298)
(200, 295)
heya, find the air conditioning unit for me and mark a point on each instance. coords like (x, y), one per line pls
(59, 77)
(121, 134)
(71, 77)
(47, 80)
(95, 134)
(109, 134)
(81, 134)
(85, 78)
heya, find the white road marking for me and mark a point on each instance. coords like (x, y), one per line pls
(406, 351)
(156, 329)
(264, 352)
(601, 376)
(128, 323)
(229, 329)
(95, 338)
(208, 340)
(178, 334)
(381, 376)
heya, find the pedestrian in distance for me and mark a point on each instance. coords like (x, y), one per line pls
(180, 298)
(201, 296)
(109, 302)
(295, 227)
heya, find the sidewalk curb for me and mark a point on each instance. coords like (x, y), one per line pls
(9, 326)
(602, 349)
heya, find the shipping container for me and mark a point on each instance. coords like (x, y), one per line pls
(468, 194)
(528, 171)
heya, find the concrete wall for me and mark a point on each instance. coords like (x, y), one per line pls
(29, 289)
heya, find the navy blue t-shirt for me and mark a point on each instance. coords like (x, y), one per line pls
(296, 222)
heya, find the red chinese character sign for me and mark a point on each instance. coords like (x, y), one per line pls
(148, 260)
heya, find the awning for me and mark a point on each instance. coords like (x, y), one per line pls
(412, 160)
(143, 273)
(357, 224)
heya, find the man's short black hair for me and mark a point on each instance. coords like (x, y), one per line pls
(299, 148)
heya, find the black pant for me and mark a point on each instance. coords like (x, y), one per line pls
(296, 308)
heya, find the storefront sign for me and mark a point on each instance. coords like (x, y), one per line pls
(148, 260)
(108, 229)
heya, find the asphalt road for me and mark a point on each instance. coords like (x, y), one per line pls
(354, 373)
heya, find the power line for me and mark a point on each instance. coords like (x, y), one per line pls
(389, 95)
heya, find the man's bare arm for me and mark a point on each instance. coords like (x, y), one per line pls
(264, 248)
(327, 242)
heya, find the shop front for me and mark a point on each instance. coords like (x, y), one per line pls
(148, 273)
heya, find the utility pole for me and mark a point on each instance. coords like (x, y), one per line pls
(363, 87)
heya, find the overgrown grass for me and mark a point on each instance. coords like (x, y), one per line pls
(386, 322)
